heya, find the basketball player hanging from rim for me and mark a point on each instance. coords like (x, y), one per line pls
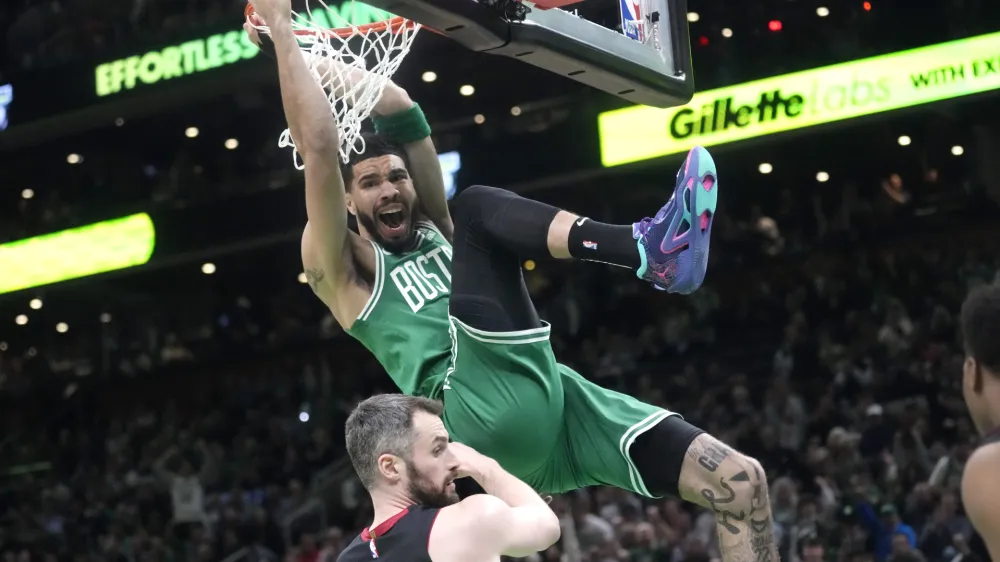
(981, 389)
(441, 302)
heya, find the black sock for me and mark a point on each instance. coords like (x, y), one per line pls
(607, 243)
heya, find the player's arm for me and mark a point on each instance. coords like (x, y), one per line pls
(981, 496)
(425, 167)
(510, 519)
(395, 114)
(327, 248)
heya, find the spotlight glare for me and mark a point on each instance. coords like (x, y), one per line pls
(822, 11)
(693, 17)
(191, 132)
(105, 318)
(27, 193)
(515, 111)
(74, 158)
(303, 279)
(429, 76)
(822, 177)
(21, 319)
(62, 327)
(208, 268)
(479, 119)
(231, 144)
(904, 140)
(765, 168)
(727, 33)
(957, 150)
(35, 304)
(466, 90)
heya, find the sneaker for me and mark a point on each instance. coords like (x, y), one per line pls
(673, 245)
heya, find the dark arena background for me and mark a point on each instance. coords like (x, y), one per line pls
(166, 326)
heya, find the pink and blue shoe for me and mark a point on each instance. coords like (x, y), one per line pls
(673, 245)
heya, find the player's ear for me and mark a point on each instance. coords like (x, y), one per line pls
(390, 467)
(972, 374)
(351, 207)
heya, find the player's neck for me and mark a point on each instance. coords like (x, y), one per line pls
(387, 505)
(992, 397)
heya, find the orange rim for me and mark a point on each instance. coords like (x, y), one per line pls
(393, 25)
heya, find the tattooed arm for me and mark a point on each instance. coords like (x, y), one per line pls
(330, 251)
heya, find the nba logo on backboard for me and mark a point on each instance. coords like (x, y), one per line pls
(632, 19)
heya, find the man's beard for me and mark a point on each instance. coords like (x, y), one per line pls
(426, 493)
(392, 246)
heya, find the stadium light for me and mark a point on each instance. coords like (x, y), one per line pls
(27, 193)
(727, 33)
(822, 177)
(466, 90)
(74, 158)
(822, 11)
(231, 144)
(191, 132)
(904, 140)
(62, 327)
(765, 168)
(957, 150)
(429, 76)
(479, 119)
(35, 304)
(693, 17)
(208, 268)
(21, 319)
(515, 111)
(303, 279)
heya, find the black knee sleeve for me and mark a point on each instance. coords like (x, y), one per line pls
(507, 220)
(659, 453)
(493, 229)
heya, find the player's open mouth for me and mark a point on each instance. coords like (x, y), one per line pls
(392, 219)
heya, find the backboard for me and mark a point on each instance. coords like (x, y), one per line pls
(648, 63)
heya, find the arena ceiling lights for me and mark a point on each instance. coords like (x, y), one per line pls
(803, 99)
(77, 252)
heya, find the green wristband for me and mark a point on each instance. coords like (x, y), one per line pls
(403, 127)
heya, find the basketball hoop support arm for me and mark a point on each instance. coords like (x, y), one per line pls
(563, 43)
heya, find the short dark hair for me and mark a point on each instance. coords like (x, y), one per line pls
(375, 145)
(383, 424)
(981, 326)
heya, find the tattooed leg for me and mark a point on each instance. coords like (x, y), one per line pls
(734, 487)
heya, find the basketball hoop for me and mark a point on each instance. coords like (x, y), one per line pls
(339, 59)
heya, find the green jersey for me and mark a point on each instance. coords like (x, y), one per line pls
(505, 395)
(405, 322)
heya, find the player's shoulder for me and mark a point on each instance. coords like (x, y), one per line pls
(474, 512)
(978, 480)
(981, 495)
(466, 530)
(984, 458)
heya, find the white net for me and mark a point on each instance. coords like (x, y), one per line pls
(352, 61)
